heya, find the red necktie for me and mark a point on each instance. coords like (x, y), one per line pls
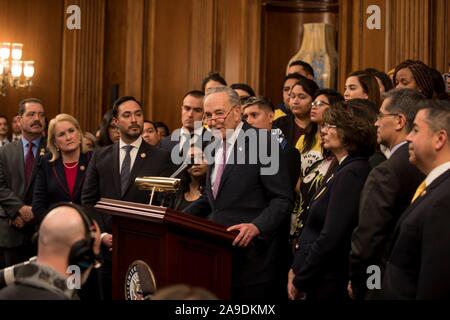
(29, 162)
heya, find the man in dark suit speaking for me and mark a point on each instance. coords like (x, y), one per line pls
(420, 259)
(248, 194)
(113, 169)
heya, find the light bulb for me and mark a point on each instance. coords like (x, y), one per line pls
(16, 51)
(5, 50)
(16, 69)
(28, 69)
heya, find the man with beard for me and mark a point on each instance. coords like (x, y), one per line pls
(18, 165)
(113, 169)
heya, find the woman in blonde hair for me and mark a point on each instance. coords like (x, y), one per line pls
(61, 173)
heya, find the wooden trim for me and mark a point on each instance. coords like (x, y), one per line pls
(302, 6)
(164, 215)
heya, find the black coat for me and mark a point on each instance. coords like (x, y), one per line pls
(103, 177)
(51, 184)
(246, 196)
(321, 261)
(387, 193)
(419, 264)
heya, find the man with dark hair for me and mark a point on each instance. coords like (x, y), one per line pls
(113, 169)
(258, 112)
(388, 188)
(289, 81)
(3, 130)
(16, 129)
(419, 261)
(18, 167)
(301, 67)
(192, 129)
(213, 80)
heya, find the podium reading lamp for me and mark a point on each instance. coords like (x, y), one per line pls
(162, 184)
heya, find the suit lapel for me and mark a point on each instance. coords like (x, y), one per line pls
(39, 155)
(421, 198)
(240, 149)
(81, 173)
(20, 160)
(60, 176)
(115, 168)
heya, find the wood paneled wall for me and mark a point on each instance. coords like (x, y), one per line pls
(185, 39)
(82, 65)
(157, 50)
(39, 26)
(410, 29)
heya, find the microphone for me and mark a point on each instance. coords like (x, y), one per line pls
(8, 275)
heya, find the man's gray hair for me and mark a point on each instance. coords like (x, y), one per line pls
(233, 97)
(406, 102)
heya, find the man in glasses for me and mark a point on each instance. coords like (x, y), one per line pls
(240, 196)
(388, 190)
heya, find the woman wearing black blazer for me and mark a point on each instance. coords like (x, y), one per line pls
(61, 173)
(320, 268)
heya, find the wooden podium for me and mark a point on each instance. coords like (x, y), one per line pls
(179, 248)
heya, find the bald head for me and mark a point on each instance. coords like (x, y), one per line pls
(60, 229)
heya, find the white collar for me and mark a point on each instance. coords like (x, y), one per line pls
(397, 146)
(136, 143)
(436, 172)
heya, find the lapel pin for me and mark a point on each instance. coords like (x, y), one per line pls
(42, 152)
(143, 155)
(82, 168)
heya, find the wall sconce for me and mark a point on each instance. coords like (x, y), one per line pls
(12, 67)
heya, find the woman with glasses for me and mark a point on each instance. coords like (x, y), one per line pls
(109, 131)
(323, 167)
(320, 269)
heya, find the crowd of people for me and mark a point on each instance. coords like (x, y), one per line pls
(352, 204)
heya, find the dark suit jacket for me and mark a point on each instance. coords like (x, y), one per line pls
(13, 192)
(287, 126)
(51, 184)
(103, 177)
(386, 195)
(419, 265)
(246, 196)
(321, 262)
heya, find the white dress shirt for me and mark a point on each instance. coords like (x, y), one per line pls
(436, 172)
(230, 145)
(133, 153)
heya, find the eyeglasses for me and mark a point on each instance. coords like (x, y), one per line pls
(381, 115)
(327, 126)
(319, 104)
(219, 116)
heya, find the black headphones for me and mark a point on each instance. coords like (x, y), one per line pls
(82, 252)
